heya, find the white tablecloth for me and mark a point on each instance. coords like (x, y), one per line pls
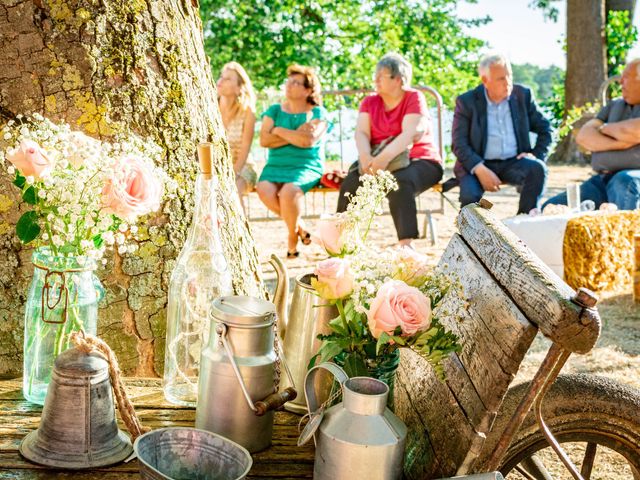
(544, 235)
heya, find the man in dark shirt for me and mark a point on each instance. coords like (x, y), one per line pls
(613, 138)
(490, 137)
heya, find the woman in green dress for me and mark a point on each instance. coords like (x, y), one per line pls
(293, 132)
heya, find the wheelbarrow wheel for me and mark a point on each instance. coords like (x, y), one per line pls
(596, 421)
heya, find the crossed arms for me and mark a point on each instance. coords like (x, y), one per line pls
(305, 136)
(597, 136)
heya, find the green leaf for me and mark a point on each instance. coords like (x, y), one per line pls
(30, 195)
(338, 326)
(382, 341)
(399, 340)
(97, 241)
(19, 180)
(328, 351)
(354, 366)
(27, 227)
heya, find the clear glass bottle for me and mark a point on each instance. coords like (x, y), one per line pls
(201, 275)
(63, 298)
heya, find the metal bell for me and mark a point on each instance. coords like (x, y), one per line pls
(78, 424)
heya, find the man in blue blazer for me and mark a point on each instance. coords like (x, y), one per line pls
(491, 126)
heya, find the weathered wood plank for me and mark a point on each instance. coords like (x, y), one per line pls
(284, 460)
(543, 297)
(440, 436)
(494, 334)
(448, 422)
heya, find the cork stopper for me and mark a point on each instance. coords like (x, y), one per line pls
(205, 156)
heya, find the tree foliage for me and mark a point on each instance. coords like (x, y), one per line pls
(343, 40)
(540, 79)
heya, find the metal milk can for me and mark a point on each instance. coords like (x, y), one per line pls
(358, 438)
(240, 372)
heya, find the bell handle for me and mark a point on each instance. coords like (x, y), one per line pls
(275, 401)
(221, 330)
(310, 394)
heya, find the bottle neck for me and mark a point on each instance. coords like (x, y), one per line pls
(204, 224)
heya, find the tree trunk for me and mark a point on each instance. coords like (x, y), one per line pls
(113, 66)
(586, 67)
(586, 51)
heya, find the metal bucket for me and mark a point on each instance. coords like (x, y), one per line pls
(182, 453)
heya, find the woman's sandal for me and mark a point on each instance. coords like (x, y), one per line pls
(305, 237)
(294, 254)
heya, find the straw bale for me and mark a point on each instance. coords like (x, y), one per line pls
(598, 251)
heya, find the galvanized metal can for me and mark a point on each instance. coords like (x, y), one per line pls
(237, 369)
(360, 437)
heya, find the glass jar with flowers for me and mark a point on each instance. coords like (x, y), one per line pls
(387, 299)
(80, 196)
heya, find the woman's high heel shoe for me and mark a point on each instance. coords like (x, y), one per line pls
(305, 237)
(294, 254)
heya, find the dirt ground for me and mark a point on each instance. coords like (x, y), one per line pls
(617, 353)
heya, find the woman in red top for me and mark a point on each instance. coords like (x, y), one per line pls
(399, 111)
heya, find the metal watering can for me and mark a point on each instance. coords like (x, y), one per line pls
(358, 438)
(308, 316)
(240, 373)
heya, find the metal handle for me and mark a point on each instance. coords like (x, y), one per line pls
(221, 330)
(310, 394)
(275, 401)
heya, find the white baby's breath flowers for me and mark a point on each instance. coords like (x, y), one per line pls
(69, 197)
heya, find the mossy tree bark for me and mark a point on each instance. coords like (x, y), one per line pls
(109, 66)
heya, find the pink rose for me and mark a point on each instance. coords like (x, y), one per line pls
(30, 159)
(334, 279)
(331, 231)
(132, 190)
(399, 305)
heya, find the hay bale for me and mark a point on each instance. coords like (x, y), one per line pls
(598, 250)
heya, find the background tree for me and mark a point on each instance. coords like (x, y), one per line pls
(106, 67)
(343, 39)
(599, 35)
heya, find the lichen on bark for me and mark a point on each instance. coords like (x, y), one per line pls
(109, 67)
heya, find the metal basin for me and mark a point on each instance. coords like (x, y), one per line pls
(183, 453)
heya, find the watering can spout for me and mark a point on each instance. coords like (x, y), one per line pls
(280, 296)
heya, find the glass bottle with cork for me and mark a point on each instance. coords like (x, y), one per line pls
(201, 274)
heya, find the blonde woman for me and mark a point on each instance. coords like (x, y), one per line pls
(293, 132)
(237, 102)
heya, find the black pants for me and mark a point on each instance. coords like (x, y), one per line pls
(419, 176)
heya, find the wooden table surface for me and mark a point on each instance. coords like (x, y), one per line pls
(283, 460)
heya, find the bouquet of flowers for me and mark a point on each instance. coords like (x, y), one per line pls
(386, 299)
(85, 194)
(82, 196)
